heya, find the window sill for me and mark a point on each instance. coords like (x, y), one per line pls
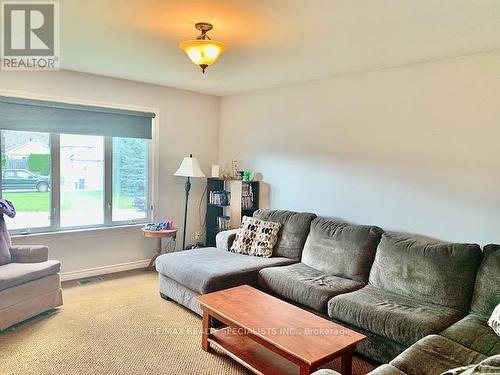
(84, 232)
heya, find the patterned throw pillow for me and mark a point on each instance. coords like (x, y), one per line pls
(256, 237)
(488, 366)
(494, 321)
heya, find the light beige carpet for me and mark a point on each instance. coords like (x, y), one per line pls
(117, 326)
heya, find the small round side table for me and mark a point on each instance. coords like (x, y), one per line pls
(158, 235)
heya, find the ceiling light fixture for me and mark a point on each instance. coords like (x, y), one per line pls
(202, 51)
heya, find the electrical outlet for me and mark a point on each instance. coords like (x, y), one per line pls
(197, 236)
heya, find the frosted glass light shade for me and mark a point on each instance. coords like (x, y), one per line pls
(202, 52)
(189, 168)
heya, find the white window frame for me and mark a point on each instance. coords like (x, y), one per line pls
(153, 171)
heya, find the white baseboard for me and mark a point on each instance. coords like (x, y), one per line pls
(80, 274)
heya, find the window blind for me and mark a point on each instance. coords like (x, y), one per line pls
(53, 117)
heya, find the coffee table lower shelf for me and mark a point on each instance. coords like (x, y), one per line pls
(251, 354)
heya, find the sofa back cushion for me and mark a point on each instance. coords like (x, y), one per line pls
(341, 249)
(487, 289)
(428, 271)
(293, 233)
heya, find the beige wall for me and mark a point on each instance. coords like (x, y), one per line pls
(188, 124)
(413, 149)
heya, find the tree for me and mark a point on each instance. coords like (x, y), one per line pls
(130, 171)
(39, 164)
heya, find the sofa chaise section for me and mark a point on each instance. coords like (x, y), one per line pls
(336, 259)
(416, 288)
(186, 274)
(210, 269)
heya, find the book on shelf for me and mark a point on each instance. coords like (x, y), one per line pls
(223, 222)
(246, 197)
(219, 198)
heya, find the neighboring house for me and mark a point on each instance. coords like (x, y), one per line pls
(17, 158)
(81, 168)
(81, 165)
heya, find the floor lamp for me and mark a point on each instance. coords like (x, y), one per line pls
(189, 168)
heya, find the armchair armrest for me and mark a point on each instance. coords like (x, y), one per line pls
(29, 254)
(224, 240)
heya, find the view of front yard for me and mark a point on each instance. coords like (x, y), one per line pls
(27, 180)
(40, 202)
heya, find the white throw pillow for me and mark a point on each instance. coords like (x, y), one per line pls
(256, 237)
(494, 321)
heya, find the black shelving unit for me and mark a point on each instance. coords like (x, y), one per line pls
(214, 211)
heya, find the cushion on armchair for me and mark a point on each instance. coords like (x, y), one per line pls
(15, 274)
(29, 254)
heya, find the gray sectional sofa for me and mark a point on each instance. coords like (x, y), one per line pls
(187, 274)
(416, 300)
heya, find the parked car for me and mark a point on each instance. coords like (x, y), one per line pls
(21, 179)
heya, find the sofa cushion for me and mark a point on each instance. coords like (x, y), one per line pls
(293, 234)
(474, 333)
(395, 317)
(256, 237)
(305, 285)
(210, 269)
(434, 272)
(434, 355)
(387, 370)
(14, 274)
(486, 291)
(341, 249)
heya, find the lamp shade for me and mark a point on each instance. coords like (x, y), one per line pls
(202, 52)
(189, 168)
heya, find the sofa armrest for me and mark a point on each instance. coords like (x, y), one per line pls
(224, 240)
(325, 372)
(29, 254)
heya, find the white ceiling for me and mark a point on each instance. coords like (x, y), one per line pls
(269, 42)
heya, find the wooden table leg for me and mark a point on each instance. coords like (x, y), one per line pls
(158, 253)
(347, 362)
(305, 369)
(207, 324)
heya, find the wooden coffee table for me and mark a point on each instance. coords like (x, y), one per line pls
(270, 336)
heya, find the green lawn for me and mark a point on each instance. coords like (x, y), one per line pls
(40, 202)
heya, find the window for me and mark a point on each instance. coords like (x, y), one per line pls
(78, 199)
(26, 177)
(68, 166)
(130, 179)
(82, 180)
